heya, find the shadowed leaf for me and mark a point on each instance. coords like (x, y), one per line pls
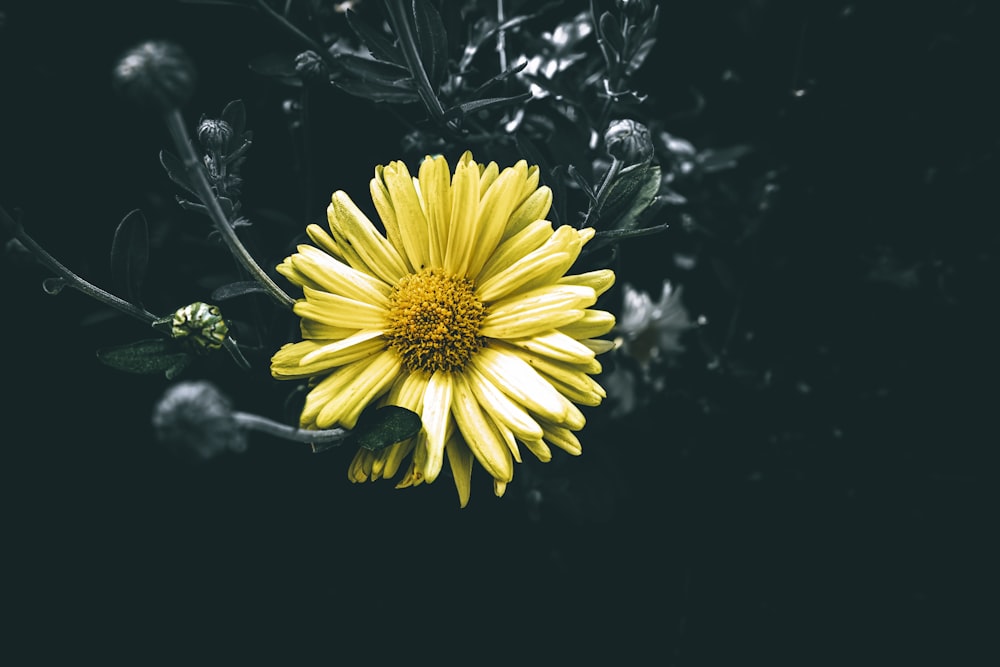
(130, 256)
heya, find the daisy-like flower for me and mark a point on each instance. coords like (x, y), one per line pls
(461, 312)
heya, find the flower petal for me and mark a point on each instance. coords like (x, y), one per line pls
(480, 432)
(514, 248)
(535, 207)
(495, 208)
(600, 280)
(558, 346)
(464, 206)
(503, 409)
(435, 415)
(537, 310)
(593, 323)
(363, 247)
(435, 191)
(409, 216)
(522, 383)
(460, 459)
(353, 398)
(339, 352)
(339, 310)
(335, 277)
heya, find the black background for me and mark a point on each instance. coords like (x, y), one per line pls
(844, 524)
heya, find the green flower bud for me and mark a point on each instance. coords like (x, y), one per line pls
(628, 141)
(201, 324)
(155, 74)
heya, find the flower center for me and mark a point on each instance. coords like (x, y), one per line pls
(434, 321)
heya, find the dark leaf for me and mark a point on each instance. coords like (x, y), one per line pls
(602, 239)
(372, 71)
(146, 357)
(502, 76)
(611, 33)
(278, 66)
(233, 290)
(130, 256)
(176, 171)
(711, 160)
(432, 41)
(379, 45)
(383, 427)
(488, 103)
(631, 193)
(377, 92)
(236, 115)
(236, 353)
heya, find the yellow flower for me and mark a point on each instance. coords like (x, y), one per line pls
(461, 312)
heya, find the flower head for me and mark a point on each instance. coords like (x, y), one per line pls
(461, 312)
(157, 74)
(195, 417)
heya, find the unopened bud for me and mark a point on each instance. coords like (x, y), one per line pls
(196, 419)
(628, 141)
(309, 65)
(200, 323)
(155, 74)
(215, 135)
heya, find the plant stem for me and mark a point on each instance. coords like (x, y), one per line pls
(254, 422)
(73, 280)
(175, 124)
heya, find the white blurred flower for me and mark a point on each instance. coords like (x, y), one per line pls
(651, 330)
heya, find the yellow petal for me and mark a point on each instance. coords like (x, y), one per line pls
(339, 310)
(560, 347)
(539, 449)
(336, 277)
(537, 310)
(479, 432)
(494, 211)
(460, 460)
(337, 353)
(327, 390)
(535, 207)
(600, 280)
(522, 383)
(435, 189)
(593, 323)
(521, 273)
(369, 384)
(319, 236)
(562, 438)
(409, 214)
(514, 248)
(363, 247)
(386, 213)
(464, 207)
(503, 409)
(435, 416)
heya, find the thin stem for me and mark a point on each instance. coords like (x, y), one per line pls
(253, 422)
(290, 27)
(73, 280)
(175, 124)
(408, 44)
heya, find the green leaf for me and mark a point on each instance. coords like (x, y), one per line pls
(130, 256)
(379, 45)
(145, 357)
(432, 41)
(383, 427)
(611, 32)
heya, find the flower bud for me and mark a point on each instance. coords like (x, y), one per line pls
(309, 65)
(200, 323)
(628, 141)
(215, 135)
(155, 74)
(196, 419)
